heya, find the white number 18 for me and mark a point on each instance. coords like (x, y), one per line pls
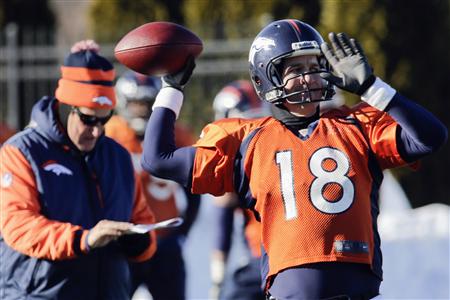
(322, 176)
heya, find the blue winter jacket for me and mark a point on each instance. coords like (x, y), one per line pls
(80, 189)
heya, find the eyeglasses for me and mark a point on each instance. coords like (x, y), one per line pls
(90, 120)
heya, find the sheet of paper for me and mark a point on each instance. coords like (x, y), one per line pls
(143, 228)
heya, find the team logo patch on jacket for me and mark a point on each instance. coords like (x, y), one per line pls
(53, 166)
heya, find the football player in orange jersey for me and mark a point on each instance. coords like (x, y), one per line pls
(165, 274)
(236, 100)
(312, 180)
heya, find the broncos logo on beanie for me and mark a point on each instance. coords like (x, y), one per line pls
(87, 80)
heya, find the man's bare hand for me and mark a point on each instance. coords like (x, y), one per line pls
(106, 231)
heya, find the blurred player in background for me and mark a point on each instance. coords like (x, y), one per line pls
(236, 100)
(165, 274)
(312, 180)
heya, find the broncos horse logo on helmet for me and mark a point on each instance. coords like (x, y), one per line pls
(277, 41)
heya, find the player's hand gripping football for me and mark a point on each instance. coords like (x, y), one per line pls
(351, 69)
(179, 79)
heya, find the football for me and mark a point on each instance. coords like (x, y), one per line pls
(157, 48)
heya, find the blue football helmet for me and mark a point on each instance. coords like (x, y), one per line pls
(280, 40)
(238, 99)
(135, 96)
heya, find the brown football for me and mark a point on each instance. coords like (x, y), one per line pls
(157, 48)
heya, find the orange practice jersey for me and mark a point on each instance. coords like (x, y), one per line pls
(160, 193)
(316, 196)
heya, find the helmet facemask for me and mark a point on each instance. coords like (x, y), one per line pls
(277, 42)
(305, 93)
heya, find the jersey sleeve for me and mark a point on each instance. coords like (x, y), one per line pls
(381, 130)
(213, 165)
(216, 150)
(23, 227)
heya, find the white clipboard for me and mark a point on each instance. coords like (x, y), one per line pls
(144, 228)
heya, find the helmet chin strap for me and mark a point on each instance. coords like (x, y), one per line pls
(291, 121)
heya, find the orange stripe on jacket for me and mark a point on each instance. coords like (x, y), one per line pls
(23, 227)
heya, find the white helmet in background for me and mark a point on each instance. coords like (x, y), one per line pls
(135, 96)
(238, 99)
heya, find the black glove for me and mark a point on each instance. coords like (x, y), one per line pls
(180, 78)
(349, 63)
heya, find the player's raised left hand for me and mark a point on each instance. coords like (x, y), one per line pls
(351, 69)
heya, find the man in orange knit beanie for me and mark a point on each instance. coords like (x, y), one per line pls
(69, 195)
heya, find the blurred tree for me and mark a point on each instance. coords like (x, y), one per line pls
(223, 19)
(35, 25)
(30, 16)
(213, 19)
(305, 10)
(364, 20)
(174, 9)
(110, 20)
(209, 19)
(417, 64)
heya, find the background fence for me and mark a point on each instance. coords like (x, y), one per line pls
(30, 59)
(29, 72)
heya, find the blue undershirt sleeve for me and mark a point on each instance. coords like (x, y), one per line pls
(223, 224)
(193, 206)
(420, 133)
(160, 156)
